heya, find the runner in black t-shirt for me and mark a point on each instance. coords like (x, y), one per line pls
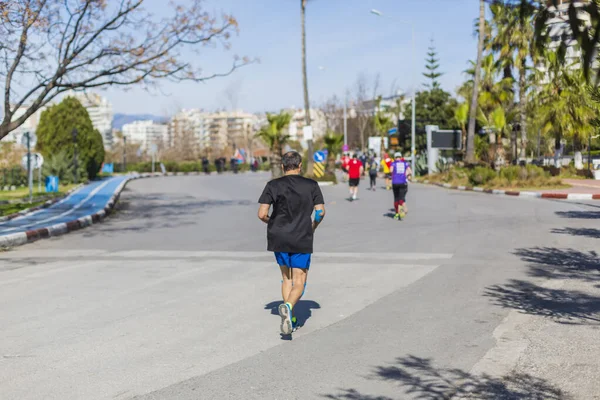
(290, 230)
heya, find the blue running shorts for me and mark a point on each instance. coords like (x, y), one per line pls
(293, 260)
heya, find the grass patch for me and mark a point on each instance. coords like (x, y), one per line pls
(23, 193)
(8, 209)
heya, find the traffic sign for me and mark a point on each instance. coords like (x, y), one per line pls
(392, 131)
(36, 161)
(307, 132)
(319, 156)
(319, 169)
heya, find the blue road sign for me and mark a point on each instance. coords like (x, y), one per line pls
(319, 156)
(392, 131)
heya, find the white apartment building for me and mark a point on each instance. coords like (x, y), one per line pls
(559, 28)
(100, 111)
(30, 125)
(146, 133)
(318, 123)
(216, 131)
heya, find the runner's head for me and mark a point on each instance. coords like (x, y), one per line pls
(291, 162)
(355, 156)
(398, 155)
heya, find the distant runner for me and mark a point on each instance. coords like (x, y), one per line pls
(345, 160)
(290, 230)
(355, 170)
(386, 162)
(401, 174)
(373, 170)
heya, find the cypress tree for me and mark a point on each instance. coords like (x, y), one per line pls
(432, 64)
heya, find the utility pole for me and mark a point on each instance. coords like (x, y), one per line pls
(76, 167)
(124, 153)
(29, 169)
(346, 119)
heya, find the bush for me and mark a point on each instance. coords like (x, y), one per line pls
(55, 135)
(62, 166)
(512, 173)
(481, 175)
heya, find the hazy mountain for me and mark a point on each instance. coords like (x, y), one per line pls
(121, 119)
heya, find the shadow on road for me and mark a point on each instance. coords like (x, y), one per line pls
(579, 214)
(564, 306)
(589, 232)
(302, 310)
(143, 212)
(551, 262)
(418, 378)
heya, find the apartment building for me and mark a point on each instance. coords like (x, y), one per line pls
(559, 29)
(318, 123)
(101, 113)
(146, 133)
(30, 124)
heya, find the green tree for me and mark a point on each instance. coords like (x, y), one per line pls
(333, 143)
(55, 134)
(512, 39)
(432, 66)
(461, 118)
(275, 137)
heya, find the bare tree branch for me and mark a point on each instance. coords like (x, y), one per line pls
(80, 44)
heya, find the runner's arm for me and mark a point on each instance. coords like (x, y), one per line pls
(263, 213)
(409, 174)
(318, 220)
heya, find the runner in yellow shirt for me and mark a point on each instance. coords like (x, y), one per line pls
(386, 162)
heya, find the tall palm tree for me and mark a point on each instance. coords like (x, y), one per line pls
(275, 137)
(309, 161)
(461, 117)
(473, 109)
(512, 38)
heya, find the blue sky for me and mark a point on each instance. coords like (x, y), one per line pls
(342, 36)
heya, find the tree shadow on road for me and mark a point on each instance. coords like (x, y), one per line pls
(141, 213)
(418, 378)
(579, 214)
(564, 306)
(551, 262)
(589, 232)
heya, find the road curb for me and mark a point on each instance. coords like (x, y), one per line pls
(515, 193)
(18, 239)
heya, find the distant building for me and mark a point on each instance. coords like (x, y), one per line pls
(559, 30)
(101, 113)
(216, 131)
(318, 121)
(146, 133)
(30, 124)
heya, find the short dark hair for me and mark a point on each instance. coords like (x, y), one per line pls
(354, 155)
(291, 161)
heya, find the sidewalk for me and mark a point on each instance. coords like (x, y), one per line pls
(581, 189)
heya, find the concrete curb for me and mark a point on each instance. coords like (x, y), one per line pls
(17, 239)
(46, 204)
(516, 193)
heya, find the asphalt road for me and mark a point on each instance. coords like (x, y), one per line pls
(174, 296)
(88, 200)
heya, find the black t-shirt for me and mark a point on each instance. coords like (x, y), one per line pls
(290, 226)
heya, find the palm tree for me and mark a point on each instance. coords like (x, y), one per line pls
(473, 110)
(274, 136)
(309, 161)
(333, 144)
(512, 39)
(461, 117)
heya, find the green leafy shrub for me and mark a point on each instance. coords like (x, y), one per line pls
(512, 173)
(61, 165)
(55, 135)
(481, 175)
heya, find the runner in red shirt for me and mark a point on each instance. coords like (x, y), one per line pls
(355, 169)
(345, 161)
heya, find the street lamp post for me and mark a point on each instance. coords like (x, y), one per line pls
(414, 71)
(76, 168)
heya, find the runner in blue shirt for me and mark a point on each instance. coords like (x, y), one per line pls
(401, 174)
